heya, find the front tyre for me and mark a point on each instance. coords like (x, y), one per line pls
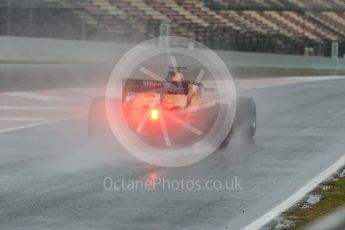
(97, 120)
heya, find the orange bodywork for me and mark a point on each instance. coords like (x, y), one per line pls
(143, 101)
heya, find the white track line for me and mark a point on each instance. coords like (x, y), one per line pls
(34, 96)
(297, 196)
(39, 124)
(22, 119)
(85, 90)
(9, 107)
(40, 97)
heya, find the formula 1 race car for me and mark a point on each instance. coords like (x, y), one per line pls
(172, 113)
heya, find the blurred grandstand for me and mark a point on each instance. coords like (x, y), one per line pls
(275, 26)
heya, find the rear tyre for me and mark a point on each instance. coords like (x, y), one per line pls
(245, 119)
(226, 141)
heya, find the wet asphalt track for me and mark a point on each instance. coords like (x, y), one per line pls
(51, 176)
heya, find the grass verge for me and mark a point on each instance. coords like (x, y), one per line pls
(332, 197)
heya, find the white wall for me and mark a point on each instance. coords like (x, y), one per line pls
(21, 49)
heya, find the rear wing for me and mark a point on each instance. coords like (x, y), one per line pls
(152, 86)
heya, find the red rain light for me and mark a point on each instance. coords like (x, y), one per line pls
(154, 114)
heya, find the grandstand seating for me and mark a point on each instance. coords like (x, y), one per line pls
(224, 23)
(189, 17)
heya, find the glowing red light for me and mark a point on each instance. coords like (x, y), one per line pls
(154, 114)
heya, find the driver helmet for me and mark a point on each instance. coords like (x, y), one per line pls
(178, 76)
